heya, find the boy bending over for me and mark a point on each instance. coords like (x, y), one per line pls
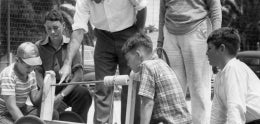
(162, 98)
(237, 95)
(17, 82)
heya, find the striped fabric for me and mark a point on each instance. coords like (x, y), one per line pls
(10, 84)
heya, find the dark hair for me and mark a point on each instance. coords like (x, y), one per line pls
(227, 36)
(54, 15)
(137, 40)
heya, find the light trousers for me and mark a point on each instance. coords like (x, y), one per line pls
(187, 55)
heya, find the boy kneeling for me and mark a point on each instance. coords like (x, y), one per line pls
(162, 98)
(236, 87)
(17, 82)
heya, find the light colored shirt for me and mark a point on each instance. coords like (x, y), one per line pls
(159, 83)
(237, 95)
(182, 16)
(11, 85)
(109, 15)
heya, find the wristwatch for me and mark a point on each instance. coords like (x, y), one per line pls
(62, 94)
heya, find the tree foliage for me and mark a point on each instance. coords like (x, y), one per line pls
(243, 15)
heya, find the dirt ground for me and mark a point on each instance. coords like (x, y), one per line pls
(117, 112)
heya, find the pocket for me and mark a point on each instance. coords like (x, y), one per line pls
(202, 30)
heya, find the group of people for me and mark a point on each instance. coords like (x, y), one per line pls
(189, 31)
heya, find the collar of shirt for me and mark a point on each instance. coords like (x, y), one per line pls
(65, 40)
(153, 56)
(229, 62)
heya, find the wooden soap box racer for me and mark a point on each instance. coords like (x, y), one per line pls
(47, 104)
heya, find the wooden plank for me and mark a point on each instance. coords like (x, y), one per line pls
(61, 122)
(111, 112)
(48, 96)
(77, 83)
(131, 97)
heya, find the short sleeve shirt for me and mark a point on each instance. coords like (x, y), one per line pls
(52, 59)
(159, 82)
(11, 85)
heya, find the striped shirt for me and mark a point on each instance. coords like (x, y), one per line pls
(11, 85)
(159, 82)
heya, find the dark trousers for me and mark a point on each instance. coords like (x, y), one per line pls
(254, 122)
(107, 56)
(6, 118)
(79, 100)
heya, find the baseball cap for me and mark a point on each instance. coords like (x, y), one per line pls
(29, 53)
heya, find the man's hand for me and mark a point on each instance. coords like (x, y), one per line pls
(58, 100)
(65, 72)
(159, 50)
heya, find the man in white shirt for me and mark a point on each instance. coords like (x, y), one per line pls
(114, 21)
(236, 90)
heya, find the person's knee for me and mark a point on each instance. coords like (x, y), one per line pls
(84, 94)
(55, 115)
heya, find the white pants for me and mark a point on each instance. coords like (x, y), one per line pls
(187, 55)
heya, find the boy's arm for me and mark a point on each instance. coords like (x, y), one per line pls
(216, 116)
(36, 95)
(235, 88)
(12, 107)
(146, 109)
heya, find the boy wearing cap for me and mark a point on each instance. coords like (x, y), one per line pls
(17, 82)
(236, 87)
(162, 98)
(53, 50)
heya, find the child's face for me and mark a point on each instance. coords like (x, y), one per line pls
(24, 68)
(133, 61)
(214, 55)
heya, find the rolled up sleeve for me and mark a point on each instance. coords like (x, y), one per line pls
(81, 15)
(147, 84)
(139, 4)
(77, 62)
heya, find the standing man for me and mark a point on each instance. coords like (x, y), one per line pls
(114, 21)
(184, 26)
(53, 50)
